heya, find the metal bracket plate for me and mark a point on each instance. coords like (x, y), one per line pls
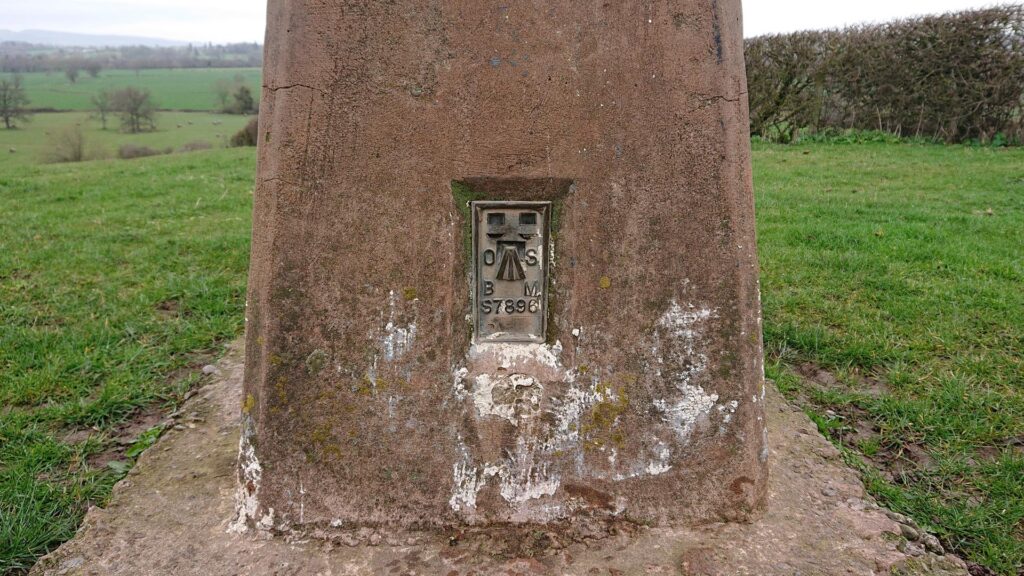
(510, 270)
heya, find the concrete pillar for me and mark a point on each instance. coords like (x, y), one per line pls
(503, 268)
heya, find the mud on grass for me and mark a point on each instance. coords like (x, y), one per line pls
(112, 275)
(893, 285)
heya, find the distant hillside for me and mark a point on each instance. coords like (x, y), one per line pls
(52, 38)
(22, 57)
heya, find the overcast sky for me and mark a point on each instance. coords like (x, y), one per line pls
(243, 20)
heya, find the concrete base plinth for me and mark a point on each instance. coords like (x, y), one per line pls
(173, 513)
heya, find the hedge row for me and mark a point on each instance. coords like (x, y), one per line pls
(953, 78)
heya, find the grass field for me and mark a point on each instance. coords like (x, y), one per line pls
(173, 89)
(899, 270)
(894, 314)
(113, 275)
(33, 140)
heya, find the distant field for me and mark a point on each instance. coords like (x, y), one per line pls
(33, 140)
(173, 89)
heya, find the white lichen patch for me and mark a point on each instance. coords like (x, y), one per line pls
(682, 334)
(728, 410)
(524, 479)
(658, 465)
(661, 465)
(517, 357)
(508, 381)
(466, 482)
(397, 340)
(519, 481)
(657, 468)
(250, 475)
(459, 390)
(682, 414)
(507, 397)
(677, 351)
(568, 411)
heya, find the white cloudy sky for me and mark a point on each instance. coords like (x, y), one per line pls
(243, 20)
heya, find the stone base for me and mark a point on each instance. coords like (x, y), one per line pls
(172, 515)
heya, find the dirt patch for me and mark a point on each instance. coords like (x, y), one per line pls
(126, 435)
(979, 570)
(854, 428)
(852, 382)
(78, 435)
(194, 368)
(118, 441)
(139, 423)
(168, 309)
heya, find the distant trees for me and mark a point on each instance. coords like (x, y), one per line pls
(93, 68)
(958, 77)
(234, 97)
(72, 73)
(103, 105)
(136, 108)
(244, 102)
(783, 73)
(19, 57)
(13, 102)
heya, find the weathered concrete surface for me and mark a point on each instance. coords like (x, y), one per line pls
(367, 404)
(171, 516)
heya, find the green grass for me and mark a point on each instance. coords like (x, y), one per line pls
(905, 263)
(897, 262)
(31, 141)
(173, 89)
(91, 256)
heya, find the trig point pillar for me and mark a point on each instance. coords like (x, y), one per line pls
(503, 268)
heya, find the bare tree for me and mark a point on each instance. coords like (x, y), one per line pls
(67, 145)
(93, 68)
(72, 73)
(13, 102)
(103, 105)
(137, 110)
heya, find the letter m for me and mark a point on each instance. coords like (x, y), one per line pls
(531, 290)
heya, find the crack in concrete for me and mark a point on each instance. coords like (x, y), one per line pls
(296, 85)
